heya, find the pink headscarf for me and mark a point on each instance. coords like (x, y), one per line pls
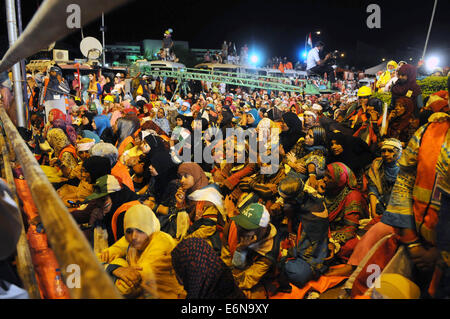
(115, 116)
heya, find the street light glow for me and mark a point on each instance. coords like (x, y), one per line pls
(432, 62)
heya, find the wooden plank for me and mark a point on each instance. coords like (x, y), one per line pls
(64, 235)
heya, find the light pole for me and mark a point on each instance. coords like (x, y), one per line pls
(103, 37)
(17, 78)
(429, 29)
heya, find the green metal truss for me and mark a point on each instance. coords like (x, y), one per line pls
(232, 79)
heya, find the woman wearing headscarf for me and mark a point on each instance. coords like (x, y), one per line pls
(202, 273)
(108, 202)
(345, 205)
(308, 156)
(124, 129)
(308, 227)
(84, 188)
(350, 150)
(162, 121)
(91, 135)
(141, 262)
(386, 75)
(67, 128)
(86, 122)
(65, 154)
(94, 88)
(185, 108)
(291, 132)
(102, 127)
(203, 202)
(225, 120)
(407, 87)
(163, 170)
(53, 115)
(119, 170)
(310, 119)
(251, 119)
(115, 115)
(382, 176)
(400, 120)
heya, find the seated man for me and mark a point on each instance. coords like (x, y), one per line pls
(250, 247)
(314, 65)
(140, 262)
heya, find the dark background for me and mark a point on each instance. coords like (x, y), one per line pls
(274, 28)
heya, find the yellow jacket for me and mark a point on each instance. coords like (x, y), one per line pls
(158, 275)
(385, 77)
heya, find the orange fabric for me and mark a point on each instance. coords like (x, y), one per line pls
(71, 149)
(426, 171)
(165, 138)
(124, 143)
(120, 210)
(320, 285)
(120, 171)
(136, 133)
(25, 195)
(281, 67)
(381, 257)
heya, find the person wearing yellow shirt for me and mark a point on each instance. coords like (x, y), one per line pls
(386, 76)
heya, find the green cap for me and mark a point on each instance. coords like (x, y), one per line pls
(253, 217)
(104, 185)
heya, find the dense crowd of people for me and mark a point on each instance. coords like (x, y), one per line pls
(350, 171)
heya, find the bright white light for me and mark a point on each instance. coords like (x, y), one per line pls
(432, 62)
(254, 58)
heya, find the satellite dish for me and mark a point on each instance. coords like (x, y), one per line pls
(91, 48)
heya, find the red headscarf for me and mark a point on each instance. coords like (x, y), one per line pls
(401, 89)
(57, 114)
(342, 175)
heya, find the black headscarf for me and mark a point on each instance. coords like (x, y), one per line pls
(167, 172)
(88, 127)
(97, 167)
(289, 138)
(118, 198)
(356, 154)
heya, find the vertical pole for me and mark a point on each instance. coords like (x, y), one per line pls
(12, 36)
(103, 37)
(429, 29)
(22, 62)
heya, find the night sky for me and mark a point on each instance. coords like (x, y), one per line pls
(277, 27)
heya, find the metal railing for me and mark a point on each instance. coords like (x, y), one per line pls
(24, 261)
(65, 237)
